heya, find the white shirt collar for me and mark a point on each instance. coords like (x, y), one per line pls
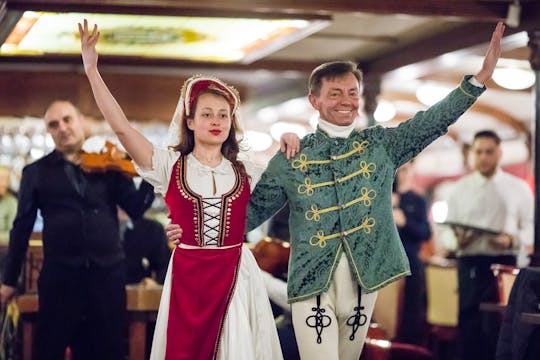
(336, 131)
(202, 169)
(481, 179)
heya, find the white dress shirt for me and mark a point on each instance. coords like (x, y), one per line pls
(502, 203)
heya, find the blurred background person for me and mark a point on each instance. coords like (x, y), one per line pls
(146, 247)
(8, 209)
(278, 224)
(82, 296)
(411, 218)
(491, 214)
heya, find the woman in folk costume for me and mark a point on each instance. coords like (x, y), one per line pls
(214, 304)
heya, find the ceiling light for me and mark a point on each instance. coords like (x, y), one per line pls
(439, 211)
(430, 93)
(385, 111)
(211, 39)
(514, 78)
(295, 107)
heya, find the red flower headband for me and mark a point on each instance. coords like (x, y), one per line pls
(198, 84)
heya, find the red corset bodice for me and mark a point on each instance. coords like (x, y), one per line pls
(186, 208)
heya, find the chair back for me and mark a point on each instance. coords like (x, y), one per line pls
(272, 255)
(442, 295)
(388, 308)
(505, 276)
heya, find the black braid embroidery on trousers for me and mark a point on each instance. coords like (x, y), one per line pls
(318, 321)
(358, 319)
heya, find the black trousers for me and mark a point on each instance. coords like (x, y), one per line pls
(478, 331)
(84, 309)
(412, 327)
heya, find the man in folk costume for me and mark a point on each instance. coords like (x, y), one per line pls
(344, 244)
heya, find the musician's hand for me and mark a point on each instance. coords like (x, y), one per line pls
(503, 241)
(6, 294)
(399, 217)
(395, 199)
(464, 236)
(174, 233)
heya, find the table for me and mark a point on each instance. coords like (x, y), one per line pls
(142, 305)
(531, 318)
(493, 307)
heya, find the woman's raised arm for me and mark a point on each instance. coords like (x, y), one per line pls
(136, 144)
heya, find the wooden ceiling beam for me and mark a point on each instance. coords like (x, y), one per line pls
(12, 62)
(459, 38)
(480, 11)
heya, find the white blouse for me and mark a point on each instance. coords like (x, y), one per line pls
(199, 179)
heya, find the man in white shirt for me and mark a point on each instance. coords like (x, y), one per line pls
(492, 213)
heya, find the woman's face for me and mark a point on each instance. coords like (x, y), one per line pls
(211, 122)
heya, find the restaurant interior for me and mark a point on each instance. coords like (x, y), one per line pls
(412, 53)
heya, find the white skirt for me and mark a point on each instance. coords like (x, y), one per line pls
(249, 332)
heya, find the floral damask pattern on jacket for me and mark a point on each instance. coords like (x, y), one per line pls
(339, 193)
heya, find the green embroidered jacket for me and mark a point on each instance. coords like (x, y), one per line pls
(339, 193)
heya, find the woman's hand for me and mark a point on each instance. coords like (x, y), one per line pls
(174, 233)
(88, 46)
(289, 143)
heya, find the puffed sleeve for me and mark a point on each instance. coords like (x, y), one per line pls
(160, 174)
(254, 172)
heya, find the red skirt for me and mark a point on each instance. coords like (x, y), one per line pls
(202, 286)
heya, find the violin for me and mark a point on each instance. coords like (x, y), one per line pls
(111, 158)
(272, 255)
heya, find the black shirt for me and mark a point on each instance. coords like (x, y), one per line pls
(80, 223)
(147, 251)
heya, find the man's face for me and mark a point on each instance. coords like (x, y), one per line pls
(486, 155)
(64, 124)
(338, 100)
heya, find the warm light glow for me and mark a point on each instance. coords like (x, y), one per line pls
(294, 107)
(430, 93)
(514, 78)
(385, 111)
(268, 114)
(176, 37)
(281, 127)
(314, 120)
(439, 211)
(258, 141)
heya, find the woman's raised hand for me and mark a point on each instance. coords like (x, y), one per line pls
(88, 45)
